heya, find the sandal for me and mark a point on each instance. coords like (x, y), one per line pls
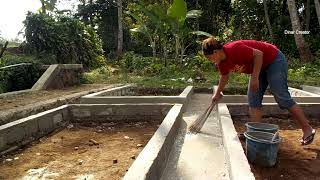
(309, 139)
(241, 137)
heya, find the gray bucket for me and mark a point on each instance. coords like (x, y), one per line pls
(260, 149)
(265, 127)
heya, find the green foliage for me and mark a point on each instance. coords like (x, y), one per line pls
(19, 77)
(70, 40)
(199, 61)
(178, 11)
(132, 62)
(11, 59)
(304, 74)
(97, 75)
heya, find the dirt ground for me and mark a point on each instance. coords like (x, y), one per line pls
(70, 153)
(295, 162)
(14, 101)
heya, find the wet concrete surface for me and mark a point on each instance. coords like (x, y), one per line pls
(197, 156)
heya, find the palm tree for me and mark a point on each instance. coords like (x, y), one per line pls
(265, 7)
(317, 5)
(308, 13)
(120, 29)
(304, 51)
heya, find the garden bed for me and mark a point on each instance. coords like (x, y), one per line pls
(72, 152)
(294, 161)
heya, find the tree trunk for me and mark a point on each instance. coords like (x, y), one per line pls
(177, 47)
(308, 15)
(304, 51)
(120, 29)
(317, 5)
(265, 7)
(154, 50)
(197, 20)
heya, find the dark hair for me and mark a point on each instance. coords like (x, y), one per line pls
(210, 44)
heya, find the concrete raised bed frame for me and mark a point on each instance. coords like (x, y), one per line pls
(151, 161)
(119, 95)
(238, 165)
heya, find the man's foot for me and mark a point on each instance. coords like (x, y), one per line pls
(309, 139)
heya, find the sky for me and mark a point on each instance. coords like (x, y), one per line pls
(13, 13)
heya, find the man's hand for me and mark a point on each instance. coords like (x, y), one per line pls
(254, 84)
(215, 98)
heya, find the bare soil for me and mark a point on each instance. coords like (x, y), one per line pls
(79, 152)
(14, 101)
(295, 161)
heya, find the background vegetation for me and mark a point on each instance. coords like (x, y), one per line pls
(157, 43)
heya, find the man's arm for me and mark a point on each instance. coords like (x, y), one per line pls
(257, 64)
(222, 83)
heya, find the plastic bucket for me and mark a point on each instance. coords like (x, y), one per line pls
(259, 148)
(265, 127)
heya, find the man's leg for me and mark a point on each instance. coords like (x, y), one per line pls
(277, 78)
(301, 119)
(255, 98)
(255, 114)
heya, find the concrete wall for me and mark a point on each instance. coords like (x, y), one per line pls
(117, 91)
(298, 95)
(312, 89)
(238, 165)
(59, 76)
(23, 131)
(183, 98)
(24, 111)
(299, 92)
(310, 110)
(151, 162)
(118, 112)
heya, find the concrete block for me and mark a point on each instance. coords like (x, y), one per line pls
(239, 167)
(57, 120)
(80, 113)
(45, 124)
(312, 89)
(15, 135)
(3, 143)
(46, 78)
(109, 92)
(299, 92)
(31, 127)
(106, 112)
(3, 140)
(151, 162)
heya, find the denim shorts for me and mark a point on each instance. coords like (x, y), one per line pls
(274, 75)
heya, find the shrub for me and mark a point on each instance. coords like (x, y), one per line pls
(14, 78)
(135, 63)
(97, 75)
(67, 38)
(200, 61)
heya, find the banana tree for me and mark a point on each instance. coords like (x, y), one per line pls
(150, 22)
(178, 15)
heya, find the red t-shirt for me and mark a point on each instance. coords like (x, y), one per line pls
(239, 56)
